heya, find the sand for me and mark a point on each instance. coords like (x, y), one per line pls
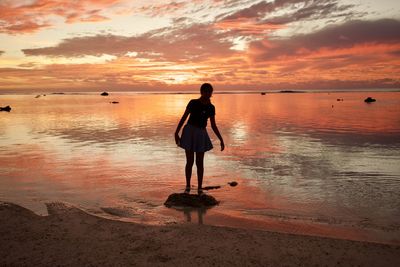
(71, 237)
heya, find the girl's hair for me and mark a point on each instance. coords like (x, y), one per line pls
(206, 87)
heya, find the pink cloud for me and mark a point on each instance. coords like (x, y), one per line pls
(192, 43)
(245, 27)
(27, 18)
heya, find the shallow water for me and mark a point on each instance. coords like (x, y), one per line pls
(305, 163)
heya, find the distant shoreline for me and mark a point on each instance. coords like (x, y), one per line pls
(266, 92)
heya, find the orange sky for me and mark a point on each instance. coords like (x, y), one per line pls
(95, 45)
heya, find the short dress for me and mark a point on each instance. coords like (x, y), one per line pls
(194, 134)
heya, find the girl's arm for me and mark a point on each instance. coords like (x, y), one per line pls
(216, 131)
(181, 122)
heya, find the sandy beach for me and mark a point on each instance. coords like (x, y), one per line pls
(70, 237)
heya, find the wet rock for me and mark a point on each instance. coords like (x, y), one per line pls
(104, 94)
(190, 200)
(6, 108)
(233, 183)
(369, 100)
(114, 102)
(211, 187)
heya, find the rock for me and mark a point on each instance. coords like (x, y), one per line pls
(263, 93)
(369, 100)
(7, 108)
(114, 102)
(104, 94)
(190, 200)
(211, 187)
(290, 91)
(233, 183)
(339, 99)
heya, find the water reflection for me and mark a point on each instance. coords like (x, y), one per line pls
(294, 156)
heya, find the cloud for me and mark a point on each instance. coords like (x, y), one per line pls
(314, 11)
(347, 35)
(163, 9)
(1, 52)
(18, 17)
(192, 43)
(263, 9)
(264, 15)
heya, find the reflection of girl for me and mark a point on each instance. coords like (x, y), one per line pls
(194, 137)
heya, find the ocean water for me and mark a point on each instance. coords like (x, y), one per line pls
(305, 163)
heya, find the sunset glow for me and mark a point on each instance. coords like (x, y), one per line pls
(122, 45)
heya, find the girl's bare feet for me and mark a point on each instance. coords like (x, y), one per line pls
(187, 190)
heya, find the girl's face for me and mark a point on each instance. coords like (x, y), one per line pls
(206, 94)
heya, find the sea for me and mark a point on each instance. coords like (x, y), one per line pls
(313, 163)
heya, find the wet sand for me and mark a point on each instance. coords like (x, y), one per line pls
(71, 237)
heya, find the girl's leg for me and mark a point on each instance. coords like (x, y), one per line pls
(189, 165)
(200, 169)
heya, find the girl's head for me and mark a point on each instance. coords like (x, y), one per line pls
(206, 90)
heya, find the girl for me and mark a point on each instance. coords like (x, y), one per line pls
(194, 137)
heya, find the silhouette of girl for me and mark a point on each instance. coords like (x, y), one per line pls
(194, 137)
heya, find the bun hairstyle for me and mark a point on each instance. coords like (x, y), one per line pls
(206, 87)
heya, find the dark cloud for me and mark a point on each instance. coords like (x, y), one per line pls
(314, 10)
(194, 42)
(347, 35)
(263, 8)
(265, 16)
(1, 52)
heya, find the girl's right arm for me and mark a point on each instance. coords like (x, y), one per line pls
(181, 122)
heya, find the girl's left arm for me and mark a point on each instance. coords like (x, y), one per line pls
(216, 131)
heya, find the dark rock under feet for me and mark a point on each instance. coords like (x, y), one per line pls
(190, 200)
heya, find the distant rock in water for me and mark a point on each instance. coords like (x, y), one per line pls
(263, 93)
(190, 200)
(6, 108)
(369, 100)
(114, 102)
(104, 94)
(290, 91)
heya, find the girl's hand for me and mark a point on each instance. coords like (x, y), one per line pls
(222, 146)
(177, 139)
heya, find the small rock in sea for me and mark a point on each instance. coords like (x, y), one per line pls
(263, 93)
(114, 102)
(369, 100)
(233, 183)
(6, 108)
(339, 99)
(190, 200)
(37, 96)
(104, 94)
